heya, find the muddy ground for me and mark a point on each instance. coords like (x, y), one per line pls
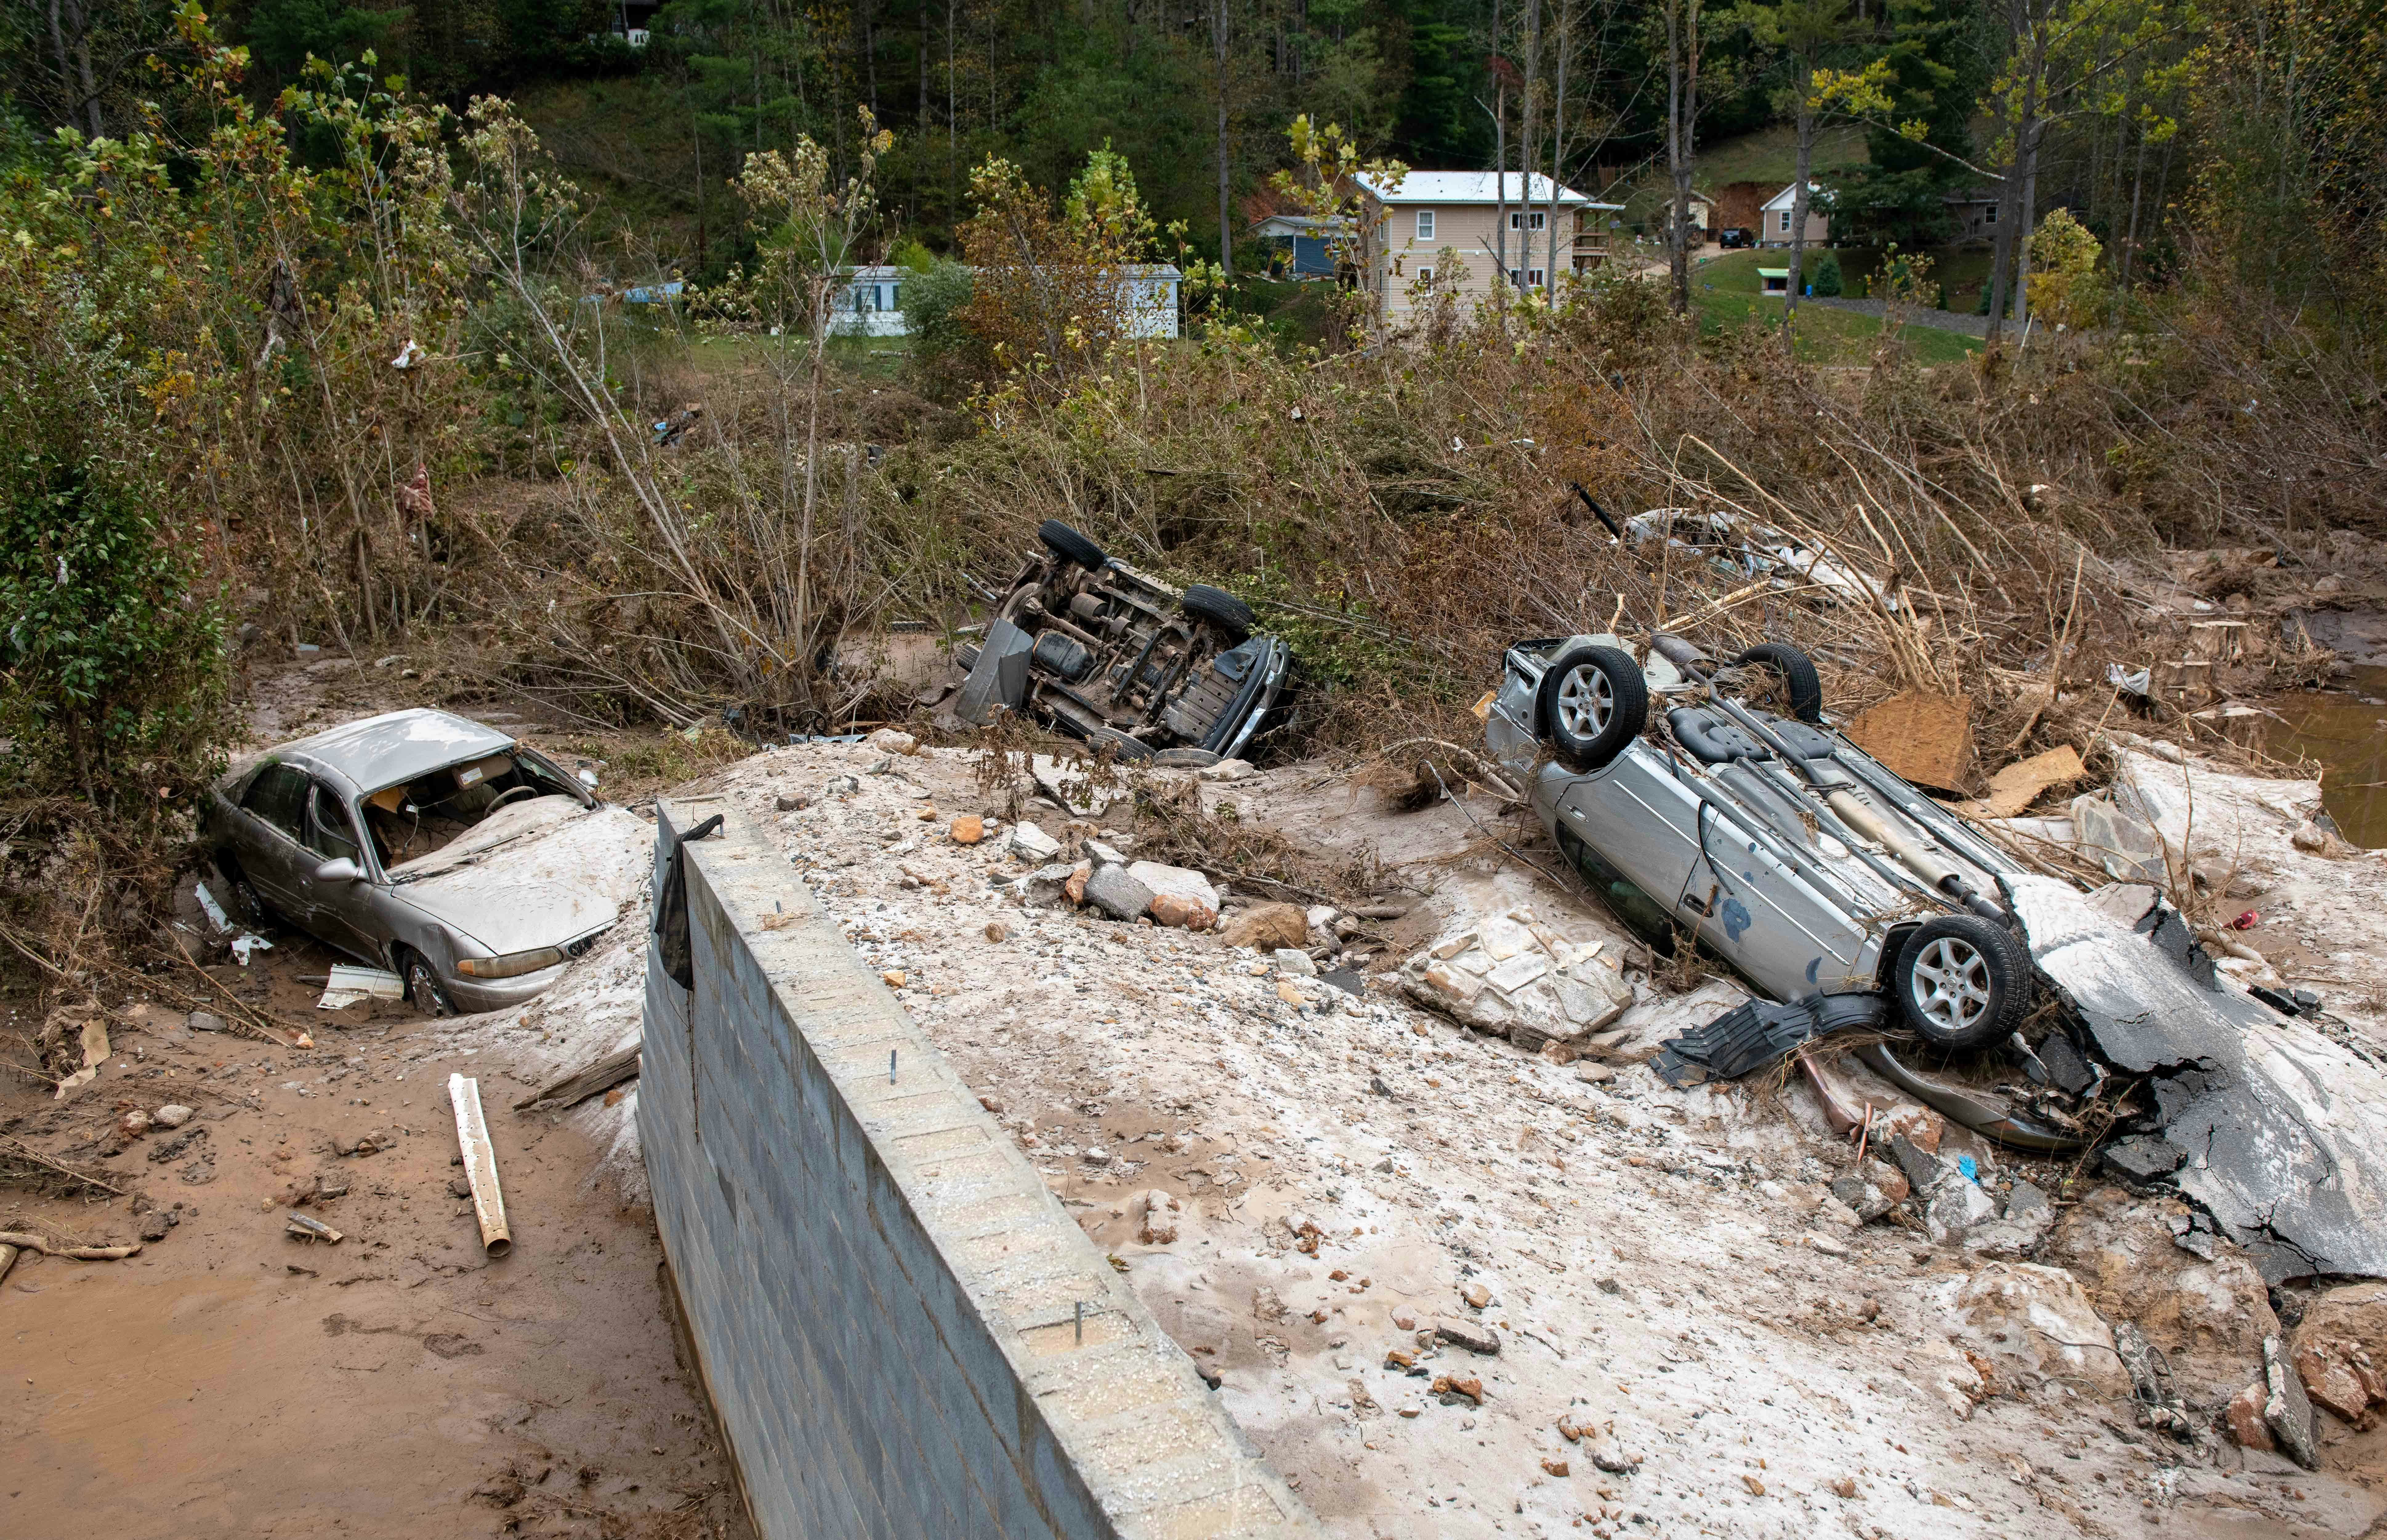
(1664, 1270)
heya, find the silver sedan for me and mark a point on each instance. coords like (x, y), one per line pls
(433, 846)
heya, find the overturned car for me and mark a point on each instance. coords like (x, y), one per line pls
(1711, 803)
(1105, 653)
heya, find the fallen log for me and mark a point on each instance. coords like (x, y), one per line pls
(586, 1081)
(24, 1241)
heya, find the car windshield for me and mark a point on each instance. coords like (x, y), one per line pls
(414, 818)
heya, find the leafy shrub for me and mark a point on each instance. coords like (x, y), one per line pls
(1827, 277)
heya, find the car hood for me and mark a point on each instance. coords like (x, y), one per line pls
(2281, 1132)
(541, 878)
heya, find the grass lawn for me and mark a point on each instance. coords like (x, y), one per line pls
(1771, 155)
(1729, 294)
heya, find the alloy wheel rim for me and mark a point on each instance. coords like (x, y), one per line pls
(1950, 984)
(1587, 701)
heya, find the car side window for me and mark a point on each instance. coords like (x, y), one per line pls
(278, 795)
(329, 832)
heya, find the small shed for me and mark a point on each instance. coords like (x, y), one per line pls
(1776, 280)
(870, 303)
(1305, 244)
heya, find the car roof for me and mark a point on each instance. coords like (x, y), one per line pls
(396, 746)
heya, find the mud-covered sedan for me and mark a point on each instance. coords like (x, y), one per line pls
(430, 845)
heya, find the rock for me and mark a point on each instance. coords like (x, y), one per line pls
(154, 1224)
(2287, 1412)
(1456, 986)
(1453, 1387)
(173, 1115)
(1919, 1166)
(967, 829)
(1449, 947)
(1295, 962)
(1102, 855)
(1267, 927)
(337, 1187)
(360, 1144)
(2244, 1416)
(887, 740)
(133, 1124)
(1472, 1335)
(1029, 842)
(1591, 1072)
(1225, 770)
(2142, 1158)
(997, 931)
(1319, 916)
(1553, 1465)
(2207, 1316)
(460, 1187)
(1957, 1204)
(2037, 1320)
(1079, 875)
(1518, 972)
(895, 979)
(1503, 938)
(1155, 1213)
(1591, 996)
(2340, 1351)
(1117, 893)
(1045, 888)
(1608, 1457)
(1871, 1193)
(792, 802)
(1180, 897)
(1476, 1294)
(200, 1021)
(2023, 1198)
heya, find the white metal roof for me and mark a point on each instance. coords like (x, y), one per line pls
(1486, 187)
(1782, 200)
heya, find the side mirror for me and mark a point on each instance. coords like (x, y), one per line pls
(338, 869)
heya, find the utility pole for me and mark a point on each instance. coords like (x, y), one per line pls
(1219, 52)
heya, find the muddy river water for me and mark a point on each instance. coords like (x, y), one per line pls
(2346, 731)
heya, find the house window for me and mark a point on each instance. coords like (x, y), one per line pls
(1534, 278)
(1539, 220)
(1426, 277)
(1989, 215)
(1425, 224)
(1786, 221)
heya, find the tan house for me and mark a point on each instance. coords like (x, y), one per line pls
(1775, 217)
(1440, 233)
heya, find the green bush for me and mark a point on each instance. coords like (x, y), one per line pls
(112, 673)
(1826, 282)
(933, 299)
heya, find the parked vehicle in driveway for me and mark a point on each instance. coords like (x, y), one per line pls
(1105, 653)
(430, 845)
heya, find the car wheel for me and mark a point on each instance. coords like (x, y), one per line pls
(1122, 747)
(1071, 546)
(1221, 608)
(423, 989)
(1962, 981)
(248, 904)
(1593, 702)
(1800, 680)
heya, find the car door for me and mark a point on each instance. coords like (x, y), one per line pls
(340, 912)
(272, 852)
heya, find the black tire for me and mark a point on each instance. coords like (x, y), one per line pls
(1962, 981)
(1592, 702)
(1799, 677)
(1071, 546)
(1221, 608)
(423, 988)
(246, 903)
(1124, 749)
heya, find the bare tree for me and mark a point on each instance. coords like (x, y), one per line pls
(1682, 117)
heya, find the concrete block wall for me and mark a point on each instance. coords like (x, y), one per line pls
(883, 1295)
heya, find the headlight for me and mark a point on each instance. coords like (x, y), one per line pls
(512, 964)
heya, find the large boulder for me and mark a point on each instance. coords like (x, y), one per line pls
(1114, 890)
(1179, 897)
(2208, 1317)
(2034, 1323)
(1511, 975)
(2340, 1352)
(1267, 926)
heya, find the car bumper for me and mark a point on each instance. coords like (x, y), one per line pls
(474, 995)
